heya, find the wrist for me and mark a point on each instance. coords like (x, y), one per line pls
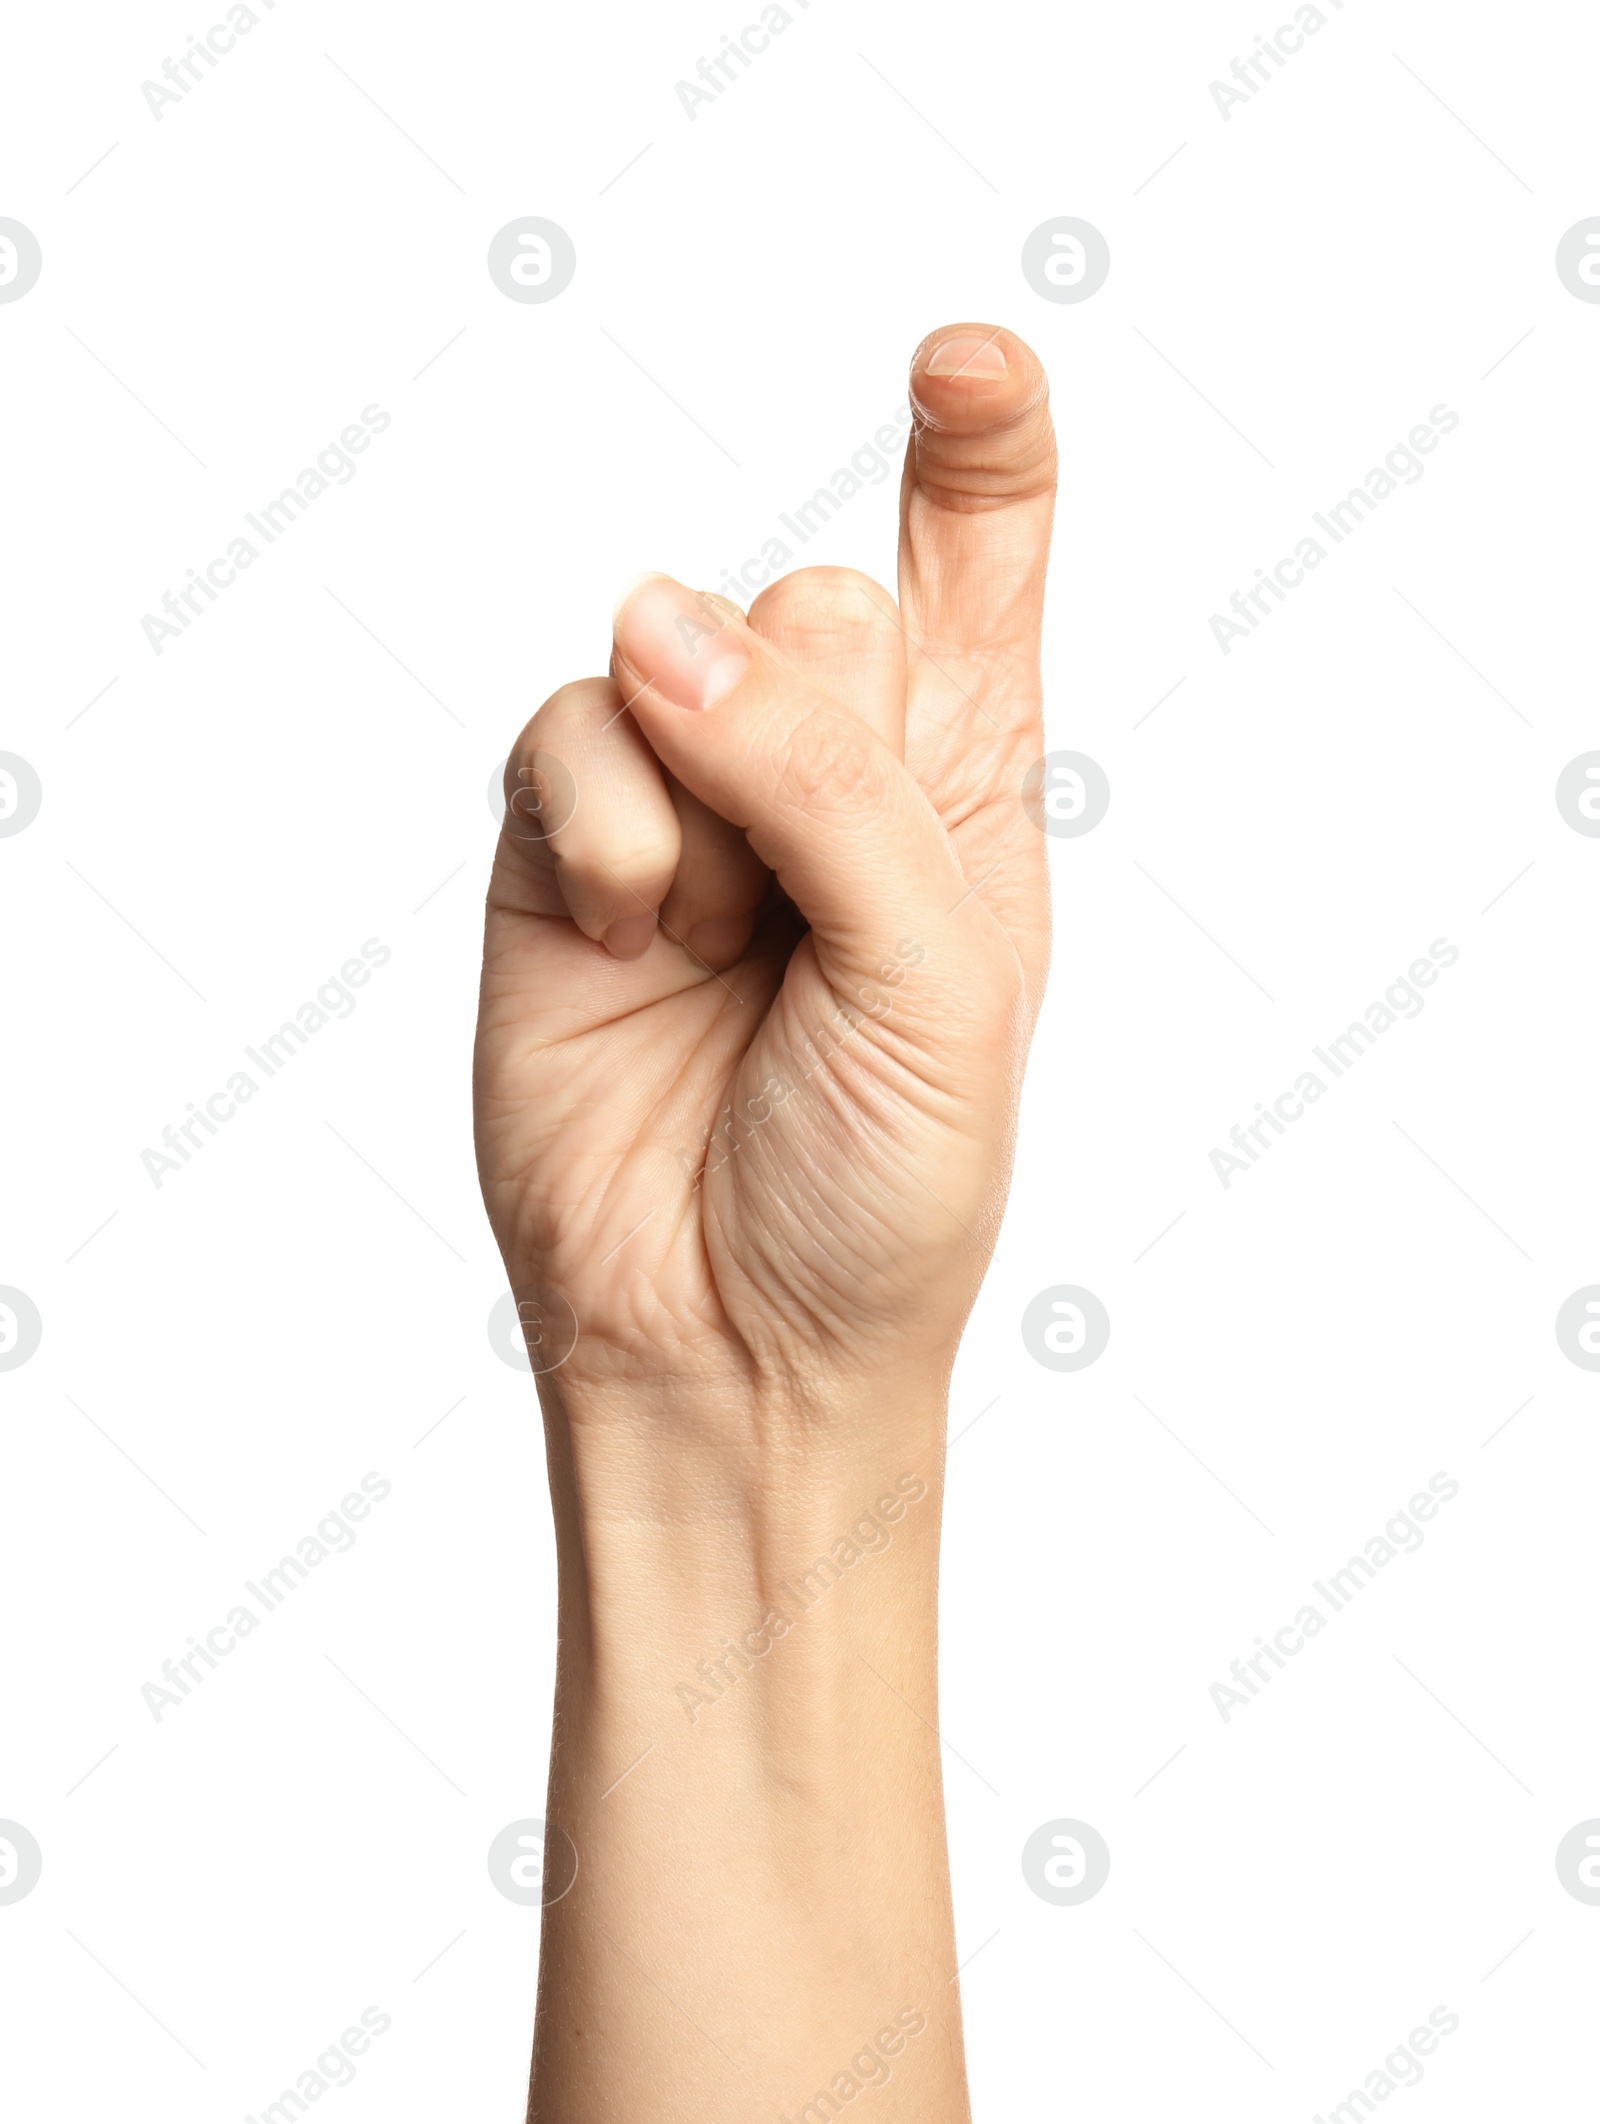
(749, 1578)
(689, 1471)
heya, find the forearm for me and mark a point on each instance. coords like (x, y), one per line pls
(746, 1765)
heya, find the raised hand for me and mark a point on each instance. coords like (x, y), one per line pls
(766, 934)
(765, 941)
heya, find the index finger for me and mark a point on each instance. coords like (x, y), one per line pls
(977, 497)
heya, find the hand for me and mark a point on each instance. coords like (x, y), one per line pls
(766, 935)
(765, 939)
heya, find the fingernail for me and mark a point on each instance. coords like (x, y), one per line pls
(677, 643)
(631, 938)
(967, 354)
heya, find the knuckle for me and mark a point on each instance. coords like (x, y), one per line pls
(572, 701)
(822, 603)
(818, 584)
(616, 860)
(544, 765)
(541, 793)
(559, 725)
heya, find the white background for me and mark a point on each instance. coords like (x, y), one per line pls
(306, 768)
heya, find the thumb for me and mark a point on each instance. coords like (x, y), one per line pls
(824, 803)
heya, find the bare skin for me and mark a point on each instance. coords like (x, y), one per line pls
(766, 936)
